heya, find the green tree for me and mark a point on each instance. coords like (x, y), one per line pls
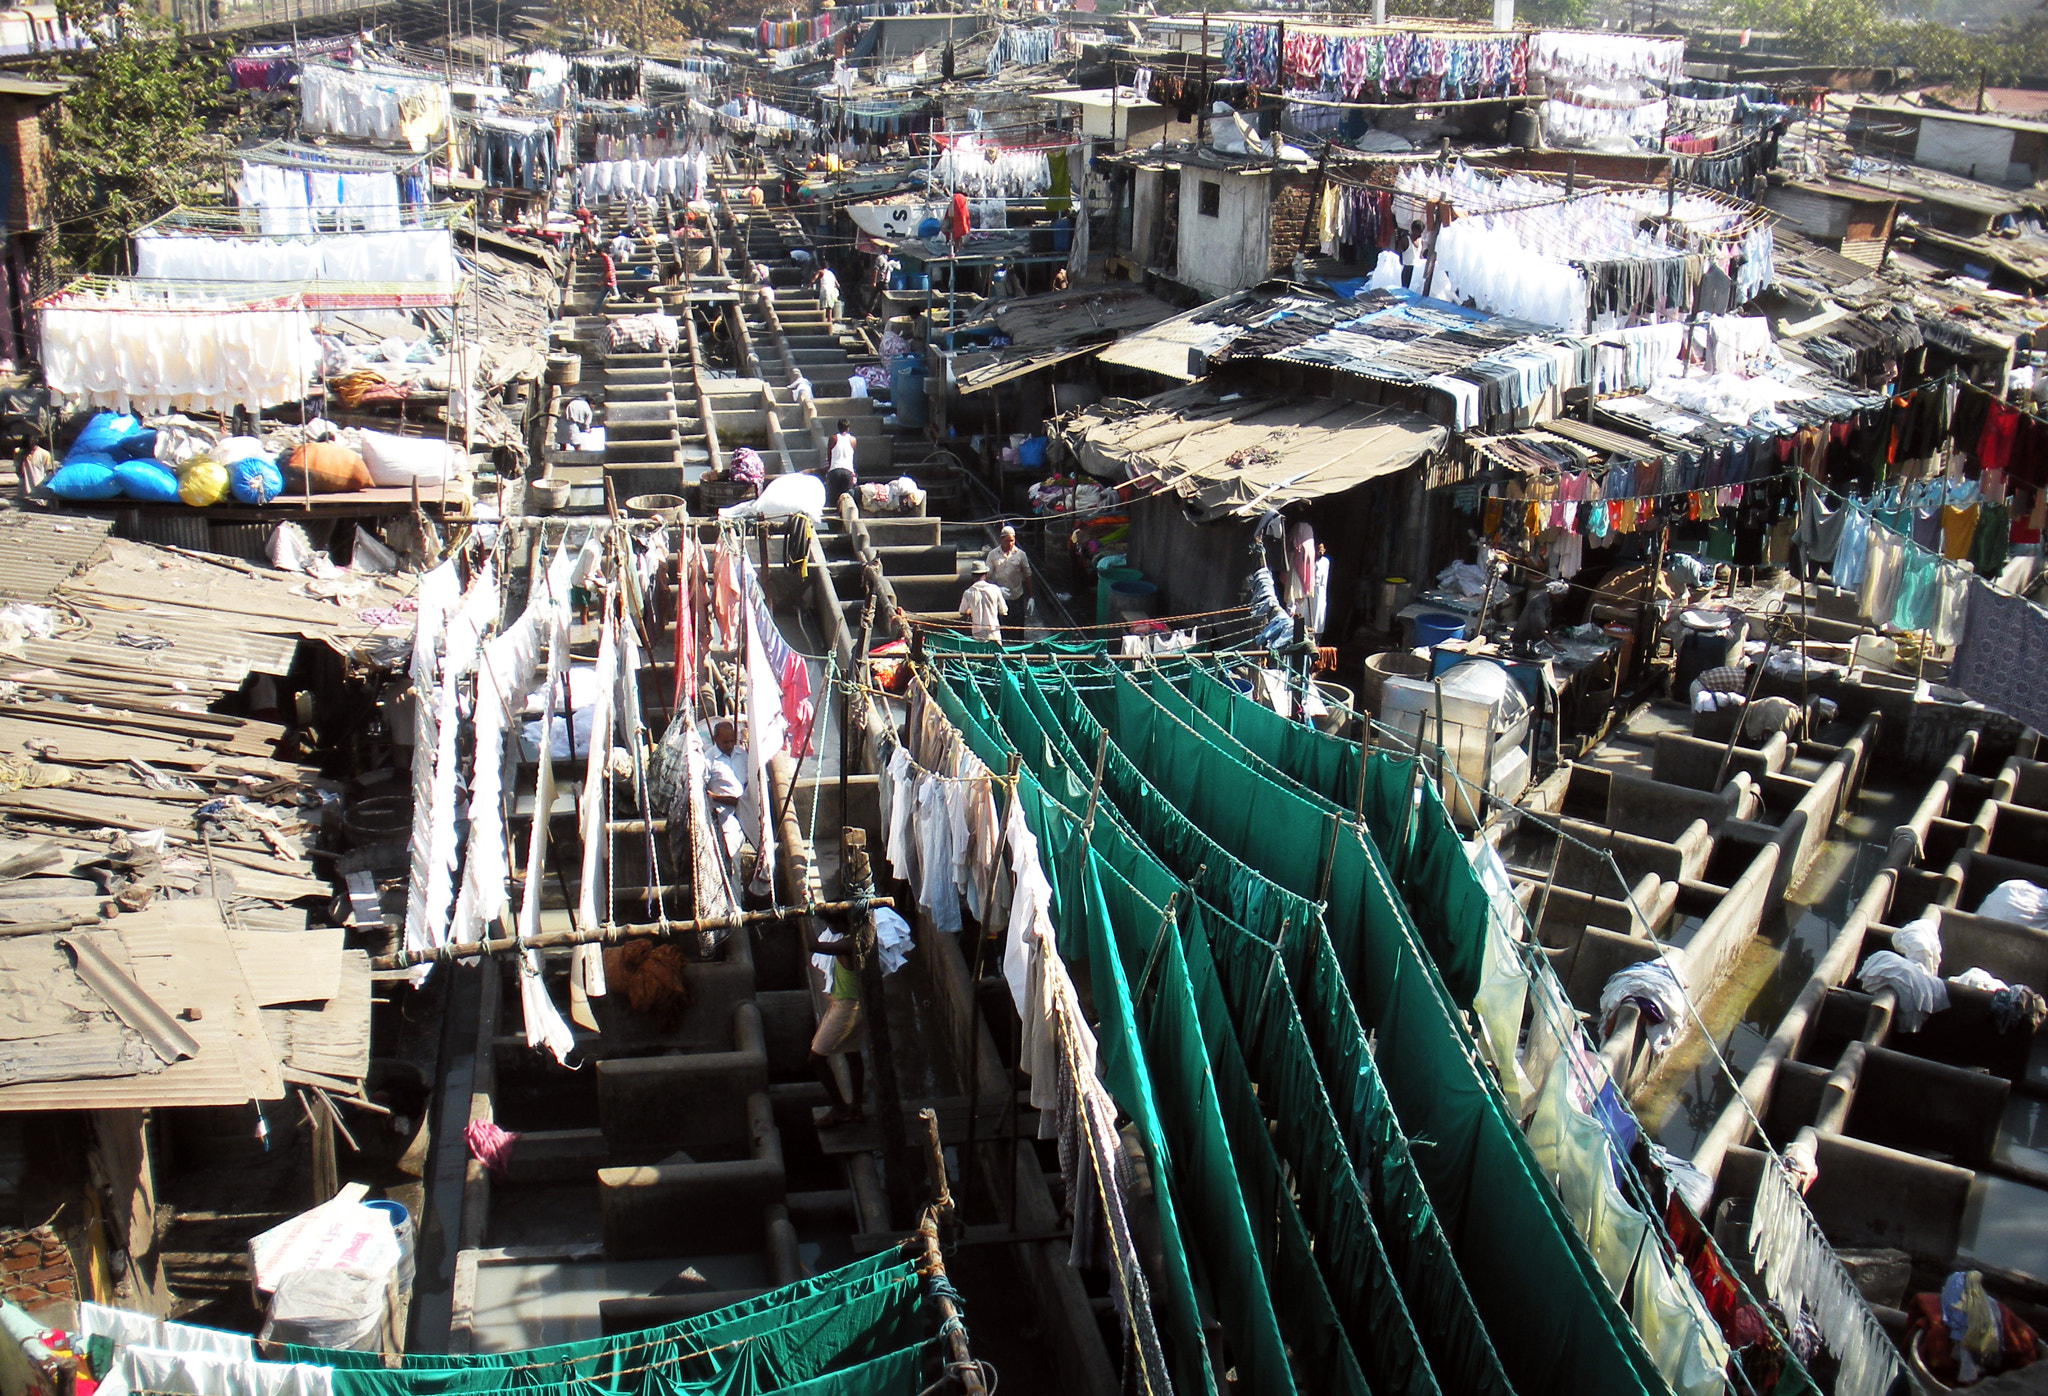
(1866, 32)
(132, 142)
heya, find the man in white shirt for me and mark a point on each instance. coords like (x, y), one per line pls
(622, 248)
(1319, 593)
(1009, 567)
(725, 783)
(983, 605)
(828, 294)
(840, 476)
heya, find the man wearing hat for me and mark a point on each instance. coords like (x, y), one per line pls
(984, 605)
(1009, 567)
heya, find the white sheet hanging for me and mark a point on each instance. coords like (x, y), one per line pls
(545, 1026)
(439, 593)
(1504, 979)
(125, 1329)
(162, 1373)
(409, 255)
(767, 734)
(586, 963)
(113, 352)
(1799, 1267)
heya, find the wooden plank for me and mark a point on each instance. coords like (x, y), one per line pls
(290, 966)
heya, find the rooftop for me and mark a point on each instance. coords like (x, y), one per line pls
(1240, 455)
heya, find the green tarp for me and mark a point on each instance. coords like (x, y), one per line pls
(1257, 829)
(858, 1331)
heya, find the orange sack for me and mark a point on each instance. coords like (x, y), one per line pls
(326, 468)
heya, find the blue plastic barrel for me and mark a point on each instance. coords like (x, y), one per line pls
(1106, 579)
(401, 1226)
(1062, 234)
(917, 281)
(896, 280)
(906, 389)
(1132, 600)
(1432, 628)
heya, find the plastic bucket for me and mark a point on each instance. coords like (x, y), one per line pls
(1433, 628)
(401, 1226)
(1133, 600)
(1105, 578)
(1339, 700)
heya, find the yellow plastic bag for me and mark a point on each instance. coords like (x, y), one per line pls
(202, 480)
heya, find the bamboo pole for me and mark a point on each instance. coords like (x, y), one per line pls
(498, 945)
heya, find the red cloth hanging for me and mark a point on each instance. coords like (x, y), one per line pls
(956, 225)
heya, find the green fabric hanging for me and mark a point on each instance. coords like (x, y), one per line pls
(763, 1311)
(759, 1352)
(1120, 1058)
(1554, 1324)
(1255, 1002)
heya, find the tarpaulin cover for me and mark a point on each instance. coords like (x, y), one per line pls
(1242, 836)
(858, 1331)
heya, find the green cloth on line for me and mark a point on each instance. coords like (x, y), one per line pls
(1553, 1325)
(791, 1338)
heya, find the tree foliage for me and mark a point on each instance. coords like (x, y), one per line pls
(131, 141)
(639, 24)
(1866, 32)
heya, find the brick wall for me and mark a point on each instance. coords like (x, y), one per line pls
(1289, 209)
(24, 162)
(38, 1269)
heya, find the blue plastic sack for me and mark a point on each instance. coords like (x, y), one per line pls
(1031, 453)
(138, 445)
(90, 476)
(105, 435)
(151, 481)
(255, 480)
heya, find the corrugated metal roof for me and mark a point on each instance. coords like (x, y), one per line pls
(179, 955)
(38, 551)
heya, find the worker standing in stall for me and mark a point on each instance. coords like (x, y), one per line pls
(841, 1030)
(827, 282)
(1009, 567)
(984, 606)
(840, 475)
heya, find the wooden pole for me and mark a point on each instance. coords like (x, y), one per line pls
(887, 1095)
(673, 930)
